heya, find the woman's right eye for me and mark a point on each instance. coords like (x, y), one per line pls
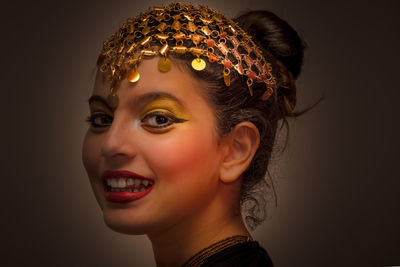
(100, 120)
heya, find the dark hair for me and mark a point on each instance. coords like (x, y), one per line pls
(281, 44)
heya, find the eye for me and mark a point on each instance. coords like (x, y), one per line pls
(99, 120)
(160, 120)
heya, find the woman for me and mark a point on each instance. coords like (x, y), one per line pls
(184, 113)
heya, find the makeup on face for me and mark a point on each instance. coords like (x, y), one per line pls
(157, 115)
(123, 186)
(159, 151)
(165, 103)
(101, 114)
(156, 111)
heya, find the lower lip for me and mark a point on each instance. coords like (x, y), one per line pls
(126, 196)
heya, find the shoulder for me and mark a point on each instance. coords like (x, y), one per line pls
(244, 254)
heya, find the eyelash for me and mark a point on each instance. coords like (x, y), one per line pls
(92, 120)
(171, 120)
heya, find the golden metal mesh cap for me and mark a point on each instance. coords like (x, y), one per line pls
(179, 28)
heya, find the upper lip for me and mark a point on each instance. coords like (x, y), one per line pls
(109, 174)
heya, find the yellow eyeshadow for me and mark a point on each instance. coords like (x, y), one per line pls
(165, 104)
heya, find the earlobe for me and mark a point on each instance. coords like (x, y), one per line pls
(240, 146)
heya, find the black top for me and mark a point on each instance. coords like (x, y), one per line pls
(244, 254)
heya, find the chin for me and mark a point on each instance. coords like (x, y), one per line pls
(125, 224)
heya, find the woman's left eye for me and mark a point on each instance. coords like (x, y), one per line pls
(159, 120)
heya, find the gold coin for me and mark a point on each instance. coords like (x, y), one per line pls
(112, 101)
(164, 64)
(198, 64)
(132, 75)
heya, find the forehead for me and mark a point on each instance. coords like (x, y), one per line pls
(178, 81)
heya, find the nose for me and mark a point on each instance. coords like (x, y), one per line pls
(119, 141)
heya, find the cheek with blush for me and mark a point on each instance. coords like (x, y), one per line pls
(187, 154)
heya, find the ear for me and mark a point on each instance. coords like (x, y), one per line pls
(240, 146)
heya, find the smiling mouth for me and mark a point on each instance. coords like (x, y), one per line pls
(127, 184)
(123, 186)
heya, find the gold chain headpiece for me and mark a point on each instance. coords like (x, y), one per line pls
(179, 28)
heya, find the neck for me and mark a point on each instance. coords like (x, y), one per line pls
(174, 246)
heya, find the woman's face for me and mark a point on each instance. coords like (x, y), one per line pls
(159, 147)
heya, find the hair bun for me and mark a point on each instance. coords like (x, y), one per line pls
(277, 38)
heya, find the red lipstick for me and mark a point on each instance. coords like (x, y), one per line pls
(122, 186)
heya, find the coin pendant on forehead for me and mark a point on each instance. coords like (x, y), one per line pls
(198, 64)
(132, 76)
(164, 64)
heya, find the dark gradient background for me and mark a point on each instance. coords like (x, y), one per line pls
(338, 183)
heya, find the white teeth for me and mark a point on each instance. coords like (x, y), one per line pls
(121, 182)
(114, 183)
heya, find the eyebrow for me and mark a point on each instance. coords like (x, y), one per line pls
(145, 98)
(149, 97)
(98, 98)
